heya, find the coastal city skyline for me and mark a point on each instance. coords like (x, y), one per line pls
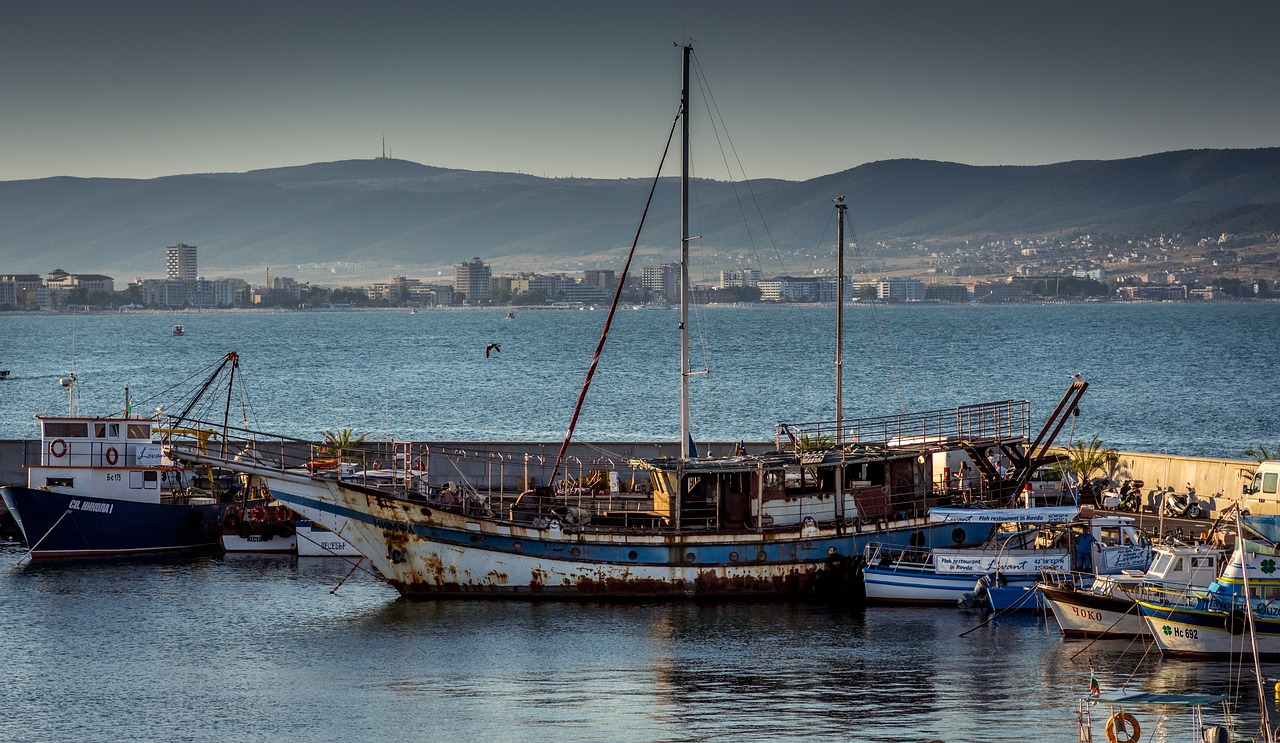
(572, 89)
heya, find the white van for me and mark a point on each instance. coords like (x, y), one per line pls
(1263, 496)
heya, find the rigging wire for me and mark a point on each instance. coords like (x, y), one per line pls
(717, 124)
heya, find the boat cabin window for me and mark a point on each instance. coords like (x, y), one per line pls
(144, 480)
(60, 482)
(65, 430)
(1205, 562)
(1264, 592)
(106, 430)
(140, 431)
(1115, 536)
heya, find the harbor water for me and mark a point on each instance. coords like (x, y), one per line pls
(255, 648)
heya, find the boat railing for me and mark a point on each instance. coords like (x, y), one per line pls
(1183, 597)
(991, 421)
(898, 557)
(95, 453)
(439, 473)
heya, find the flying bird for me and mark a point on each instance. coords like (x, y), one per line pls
(491, 348)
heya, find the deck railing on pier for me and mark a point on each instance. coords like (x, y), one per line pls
(1008, 420)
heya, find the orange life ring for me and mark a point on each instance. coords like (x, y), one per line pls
(258, 514)
(231, 517)
(57, 448)
(1123, 728)
(113, 456)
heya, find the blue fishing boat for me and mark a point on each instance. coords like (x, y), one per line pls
(101, 486)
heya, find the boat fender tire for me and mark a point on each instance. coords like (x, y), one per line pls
(244, 531)
(268, 532)
(232, 517)
(1123, 728)
(284, 529)
(1236, 622)
(57, 448)
(112, 456)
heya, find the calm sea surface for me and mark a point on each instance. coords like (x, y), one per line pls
(262, 649)
(1197, 380)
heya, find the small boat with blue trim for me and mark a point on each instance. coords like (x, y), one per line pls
(1027, 543)
(1237, 614)
(1090, 606)
(102, 486)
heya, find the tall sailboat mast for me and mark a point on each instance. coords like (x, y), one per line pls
(685, 435)
(841, 208)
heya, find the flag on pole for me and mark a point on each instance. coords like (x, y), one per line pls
(1094, 690)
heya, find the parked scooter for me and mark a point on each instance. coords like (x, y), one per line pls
(1127, 499)
(1182, 505)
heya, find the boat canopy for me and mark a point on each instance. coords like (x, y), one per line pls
(1122, 696)
(1048, 515)
(1267, 527)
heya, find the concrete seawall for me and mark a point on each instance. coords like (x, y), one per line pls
(1217, 481)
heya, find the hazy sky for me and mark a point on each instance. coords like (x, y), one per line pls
(143, 89)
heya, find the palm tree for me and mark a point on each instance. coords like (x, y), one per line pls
(817, 442)
(343, 443)
(1085, 459)
(1262, 453)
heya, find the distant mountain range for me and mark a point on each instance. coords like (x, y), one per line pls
(398, 213)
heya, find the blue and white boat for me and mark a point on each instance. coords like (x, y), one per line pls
(101, 486)
(1028, 543)
(1238, 612)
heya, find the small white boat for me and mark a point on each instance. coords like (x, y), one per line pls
(1032, 540)
(1106, 607)
(1123, 725)
(316, 541)
(258, 528)
(1237, 615)
(179, 330)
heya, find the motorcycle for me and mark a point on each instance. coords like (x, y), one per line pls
(1182, 505)
(1127, 499)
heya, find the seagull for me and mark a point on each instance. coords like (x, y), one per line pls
(1075, 376)
(492, 347)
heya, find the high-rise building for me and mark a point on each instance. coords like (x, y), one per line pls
(662, 280)
(472, 280)
(180, 262)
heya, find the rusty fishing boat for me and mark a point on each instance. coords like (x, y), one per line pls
(790, 519)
